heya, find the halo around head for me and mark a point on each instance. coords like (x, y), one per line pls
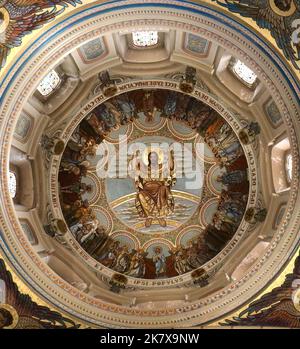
(151, 149)
(13, 313)
(5, 21)
(280, 12)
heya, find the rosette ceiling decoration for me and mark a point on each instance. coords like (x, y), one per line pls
(149, 164)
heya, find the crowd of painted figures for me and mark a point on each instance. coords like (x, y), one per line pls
(121, 110)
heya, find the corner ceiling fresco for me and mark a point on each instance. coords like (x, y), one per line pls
(153, 222)
(280, 17)
(19, 18)
(19, 311)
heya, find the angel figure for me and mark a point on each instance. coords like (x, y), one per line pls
(19, 17)
(278, 16)
(18, 311)
(278, 308)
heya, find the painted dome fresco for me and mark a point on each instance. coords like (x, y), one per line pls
(153, 222)
(149, 164)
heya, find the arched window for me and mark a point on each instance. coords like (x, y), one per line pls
(243, 72)
(145, 38)
(49, 83)
(281, 165)
(12, 184)
(289, 167)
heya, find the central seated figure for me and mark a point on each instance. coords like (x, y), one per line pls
(153, 180)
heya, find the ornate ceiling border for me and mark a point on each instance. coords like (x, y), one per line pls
(190, 314)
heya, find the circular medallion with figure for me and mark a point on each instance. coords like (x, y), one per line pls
(173, 189)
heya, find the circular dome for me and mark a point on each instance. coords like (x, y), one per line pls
(157, 222)
(150, 252)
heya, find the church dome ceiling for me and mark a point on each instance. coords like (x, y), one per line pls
(151, 162)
